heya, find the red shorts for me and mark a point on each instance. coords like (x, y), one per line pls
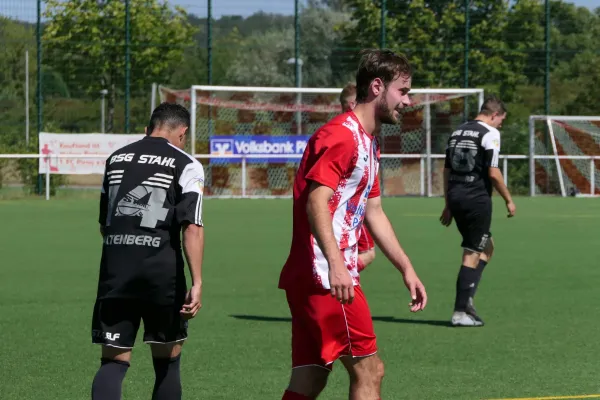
(324, 330)
(365, 242)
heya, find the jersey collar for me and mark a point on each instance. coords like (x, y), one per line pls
(155, 139)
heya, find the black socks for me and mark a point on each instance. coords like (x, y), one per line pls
(465, 284)
(480, 269)
(168, 379)
(109, 379)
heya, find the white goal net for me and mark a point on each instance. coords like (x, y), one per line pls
(233, 126)
(565, 155)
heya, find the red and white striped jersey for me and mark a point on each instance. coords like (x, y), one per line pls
(344, 157)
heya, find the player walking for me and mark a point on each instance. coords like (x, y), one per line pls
(336, 190)
(152, 190)
(471, 169)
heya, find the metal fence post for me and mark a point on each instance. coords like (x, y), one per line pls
(127, 63)
(38, 35)
(208, 66)
(209, 41)
(382, 32)
(547, 57)
(466, 56)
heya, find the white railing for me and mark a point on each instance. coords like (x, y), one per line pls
(425, 178)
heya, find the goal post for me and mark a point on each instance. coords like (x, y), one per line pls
(238, 120)
(564, 155)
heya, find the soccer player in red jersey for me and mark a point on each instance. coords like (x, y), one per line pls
(366, 245)
(336, 190)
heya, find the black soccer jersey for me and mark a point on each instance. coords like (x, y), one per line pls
(150, 189)
(472, 149)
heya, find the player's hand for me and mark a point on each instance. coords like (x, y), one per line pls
(446, 218)
(417, 291)
(342, 286)
(511, 208)
(193, 302)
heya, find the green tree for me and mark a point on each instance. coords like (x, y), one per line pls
(84, 41)
(16, 39)
(432, 35)
(260, 59)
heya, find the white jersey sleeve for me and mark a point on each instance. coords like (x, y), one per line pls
(191, 182)
(491, 144)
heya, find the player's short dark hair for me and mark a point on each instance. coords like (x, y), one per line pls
(170, 116)
(379, 63)
(492, 104)
(347, 91)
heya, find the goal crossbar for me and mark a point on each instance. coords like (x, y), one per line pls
(322, 90)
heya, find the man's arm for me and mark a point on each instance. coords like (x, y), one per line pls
(498, 183)
(491, 144)
(103, 206)
(447, 170)
(446, 178)
(319, 218)
(189, 213)
(446, 217)
(330, 158)
(383, 233)
(193, 248)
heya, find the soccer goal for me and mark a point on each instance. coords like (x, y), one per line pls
(564, 155)
(250, 139)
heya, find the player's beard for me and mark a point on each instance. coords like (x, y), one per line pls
(386, 116)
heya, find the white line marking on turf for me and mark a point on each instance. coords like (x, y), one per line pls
(549, 216)
(581, 396)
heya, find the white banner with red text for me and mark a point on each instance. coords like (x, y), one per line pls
(52, 145)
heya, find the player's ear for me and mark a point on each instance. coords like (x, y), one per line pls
(146, 130)
(377, 86)
(181, 135)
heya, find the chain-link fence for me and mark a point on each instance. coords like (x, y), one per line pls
(90, 65)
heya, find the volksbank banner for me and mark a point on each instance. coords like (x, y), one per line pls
(258, 145)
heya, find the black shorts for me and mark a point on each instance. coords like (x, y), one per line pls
(116, 322)
(473, 220)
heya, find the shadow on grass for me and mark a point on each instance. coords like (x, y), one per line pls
(264, 318)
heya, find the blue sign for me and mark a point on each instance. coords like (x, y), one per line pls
(259, 145)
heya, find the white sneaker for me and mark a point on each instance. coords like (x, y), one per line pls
(461, 318)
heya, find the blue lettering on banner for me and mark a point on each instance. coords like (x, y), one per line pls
(258, 145)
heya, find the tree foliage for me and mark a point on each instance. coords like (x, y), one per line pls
(85, 41)
(84, 52)
(261, 59)
(16, 40)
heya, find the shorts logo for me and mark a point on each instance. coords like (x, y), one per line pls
(484, 241)
(112, 336)
(221, 147)
(106, 335)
